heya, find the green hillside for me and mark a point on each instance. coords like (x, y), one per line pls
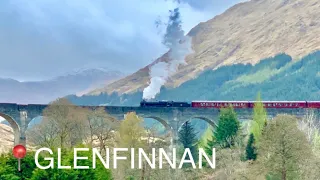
(278, 78)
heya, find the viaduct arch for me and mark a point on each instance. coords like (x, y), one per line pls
(161, 121)
(14, 125)
(19, 116)
(206, 119)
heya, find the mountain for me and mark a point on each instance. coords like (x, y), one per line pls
(246, 33)
(279, 78)
(79, 82)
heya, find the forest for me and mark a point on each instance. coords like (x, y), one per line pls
(277, 78)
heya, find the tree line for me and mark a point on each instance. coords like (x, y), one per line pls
(282, 148)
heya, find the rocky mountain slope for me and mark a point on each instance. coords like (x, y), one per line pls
(245, 33)
(45, 91)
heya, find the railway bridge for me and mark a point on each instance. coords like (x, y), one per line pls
(172, 118)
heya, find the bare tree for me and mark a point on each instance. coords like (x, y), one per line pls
(102, 127)
(310, 126)
(44, 134)
(63, 125)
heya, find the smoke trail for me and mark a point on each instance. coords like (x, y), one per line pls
(180, 47)
(159, 76)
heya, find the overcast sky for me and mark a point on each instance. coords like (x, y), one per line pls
(41, 39)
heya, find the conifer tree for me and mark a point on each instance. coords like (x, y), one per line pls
(188, 138)
(205, 137)
(228, 127)
(259, 119)
(284, 151)
(210, 144)
(251, 149)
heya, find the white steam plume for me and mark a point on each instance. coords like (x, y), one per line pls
(180, 47)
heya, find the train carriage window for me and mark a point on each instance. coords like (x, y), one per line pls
(290, 104)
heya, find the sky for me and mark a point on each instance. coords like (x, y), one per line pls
(42, 39)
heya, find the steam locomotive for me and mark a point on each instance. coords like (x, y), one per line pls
(145, 103)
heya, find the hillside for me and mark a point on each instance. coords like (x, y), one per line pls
(246, 33)
(6, 140)
(278, 78)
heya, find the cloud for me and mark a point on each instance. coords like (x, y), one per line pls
(40, 39)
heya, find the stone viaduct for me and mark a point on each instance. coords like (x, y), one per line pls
(172, 118)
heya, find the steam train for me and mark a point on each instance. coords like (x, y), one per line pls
(164, 104)
(234, 104)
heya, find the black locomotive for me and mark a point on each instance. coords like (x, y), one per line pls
(145, 103)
